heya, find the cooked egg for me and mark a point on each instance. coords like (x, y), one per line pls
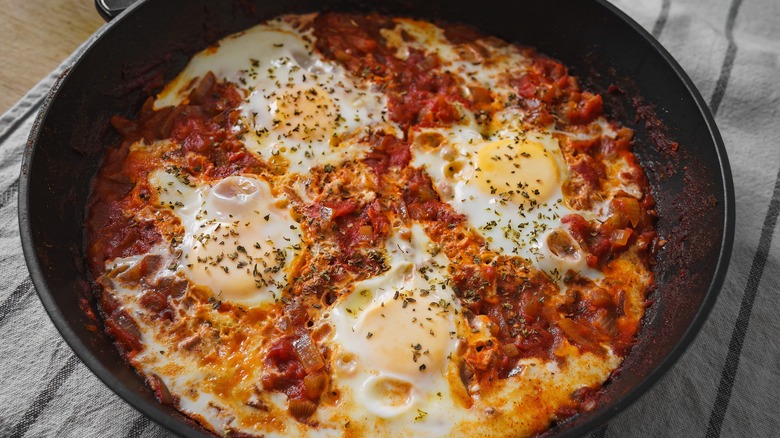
(509, 188)
(238, 239)
(394, 336)
(300, 110)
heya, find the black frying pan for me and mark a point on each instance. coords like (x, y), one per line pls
(677, 142)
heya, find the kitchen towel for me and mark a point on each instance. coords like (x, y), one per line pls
(726, 384)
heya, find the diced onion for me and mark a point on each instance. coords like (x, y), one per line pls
(314, 384)
(632, 210)
(510, 350)
(308, 354)
(620, 237)
(301, 408)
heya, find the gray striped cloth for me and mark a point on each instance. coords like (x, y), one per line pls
(726, 384)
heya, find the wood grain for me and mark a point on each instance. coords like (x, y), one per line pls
(38, 35)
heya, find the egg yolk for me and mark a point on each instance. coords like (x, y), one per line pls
(521, 171)
(301, 113)
(404, 336)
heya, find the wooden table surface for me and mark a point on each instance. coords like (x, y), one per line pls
(38, 35)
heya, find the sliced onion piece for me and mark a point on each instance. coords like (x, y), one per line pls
(308, 354)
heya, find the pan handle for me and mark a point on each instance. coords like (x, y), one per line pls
(108, 9)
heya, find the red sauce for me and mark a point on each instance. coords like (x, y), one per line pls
(423, 202)
(284, 371)
(387, 152)
(418, 94)
(297, 371)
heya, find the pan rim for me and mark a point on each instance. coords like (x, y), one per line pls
(177, 425)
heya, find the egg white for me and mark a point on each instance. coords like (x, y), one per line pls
(238, 239)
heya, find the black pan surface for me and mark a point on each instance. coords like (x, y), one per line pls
(677, 143)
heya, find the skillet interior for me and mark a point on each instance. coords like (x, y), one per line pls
(602, 46)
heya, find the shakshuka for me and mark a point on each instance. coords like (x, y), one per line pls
(354, 225)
